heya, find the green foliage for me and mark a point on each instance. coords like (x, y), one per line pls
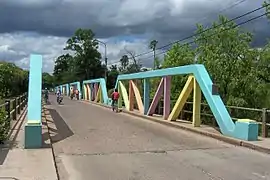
(13, 80)
(126, 67)
(263, 67)
(230, 61)
(64, 69)
(178, 55)
(112, 76)
(47, 81)
(4, 126)
(124, 61)
(240, 71)
(85, 64)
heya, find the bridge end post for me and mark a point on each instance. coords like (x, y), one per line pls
(33, 127)
(246, 129)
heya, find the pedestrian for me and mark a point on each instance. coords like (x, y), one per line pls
(115, 97)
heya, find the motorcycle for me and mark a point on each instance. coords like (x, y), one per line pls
(60, 99)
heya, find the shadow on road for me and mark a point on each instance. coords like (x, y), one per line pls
(62, 130)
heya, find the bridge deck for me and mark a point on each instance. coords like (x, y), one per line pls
(91, 142)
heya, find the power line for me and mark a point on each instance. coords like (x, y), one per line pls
(196, 34)
(226, 29)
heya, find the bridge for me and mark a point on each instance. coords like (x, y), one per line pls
(90, 141)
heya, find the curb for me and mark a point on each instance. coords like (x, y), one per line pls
(220, 137)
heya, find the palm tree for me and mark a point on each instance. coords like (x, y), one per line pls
(153, 45)
(124, 62)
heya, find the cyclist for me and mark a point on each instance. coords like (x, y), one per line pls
(115, 97)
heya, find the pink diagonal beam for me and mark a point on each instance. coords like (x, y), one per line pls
(95, 91)
(157, 97)
(167, 97)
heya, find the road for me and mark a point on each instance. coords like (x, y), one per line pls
(94, 143)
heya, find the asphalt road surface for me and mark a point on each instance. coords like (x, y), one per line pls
(93, 143)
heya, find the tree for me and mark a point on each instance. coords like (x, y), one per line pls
(112, 76)
(225, 51)
(64, 69)
(153, 45)
(13, 80)
(47, 81)
(178, 55)
(87, 58)
(127, 66)
(263, 69)
(124, 61)
(135, 66)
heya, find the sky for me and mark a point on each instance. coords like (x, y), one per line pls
(43, 26)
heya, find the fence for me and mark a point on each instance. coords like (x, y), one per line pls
(13, 107)
(262, 116)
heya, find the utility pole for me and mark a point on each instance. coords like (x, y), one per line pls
(153, 45)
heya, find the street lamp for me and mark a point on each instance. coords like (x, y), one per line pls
(106, 59)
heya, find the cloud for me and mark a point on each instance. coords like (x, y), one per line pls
(110, 18)
(17, 47)
(43, 26)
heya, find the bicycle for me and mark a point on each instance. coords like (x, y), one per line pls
(115, 105)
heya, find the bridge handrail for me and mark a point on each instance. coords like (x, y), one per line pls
(14, 106)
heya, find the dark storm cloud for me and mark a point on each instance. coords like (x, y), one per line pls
(112, 18)
(163, 20)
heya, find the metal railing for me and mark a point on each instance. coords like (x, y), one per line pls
(262, 116)
(13, 107)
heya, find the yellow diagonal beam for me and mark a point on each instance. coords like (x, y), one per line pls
(85, 92)
(182, 99)
(138, 97)
(124, 94)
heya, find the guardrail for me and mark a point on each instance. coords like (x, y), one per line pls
(13, 107)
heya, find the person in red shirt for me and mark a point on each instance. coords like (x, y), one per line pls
(115, 97)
